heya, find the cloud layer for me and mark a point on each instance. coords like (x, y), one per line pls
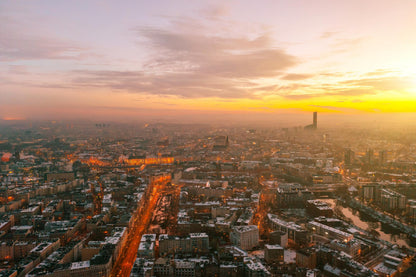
(199, 56)
(191, 65)
(17, 43)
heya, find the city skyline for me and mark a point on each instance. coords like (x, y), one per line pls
(208, 138)
(168, 60)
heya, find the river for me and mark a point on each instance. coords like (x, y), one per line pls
(354, 215)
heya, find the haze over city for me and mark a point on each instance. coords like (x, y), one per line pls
(207, 138)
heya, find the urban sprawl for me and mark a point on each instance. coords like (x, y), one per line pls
(107, 199)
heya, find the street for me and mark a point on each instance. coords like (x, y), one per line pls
(142, 219)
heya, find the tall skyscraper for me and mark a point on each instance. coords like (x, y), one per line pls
(314, 124)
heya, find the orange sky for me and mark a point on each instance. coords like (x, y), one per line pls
(106, 60)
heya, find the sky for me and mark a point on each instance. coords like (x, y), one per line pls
(203, 59)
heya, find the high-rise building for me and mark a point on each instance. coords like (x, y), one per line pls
(314, 124)
(392, 200)
(349, 157)
(369, 191)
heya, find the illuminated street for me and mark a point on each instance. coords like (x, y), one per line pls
(142, 219)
